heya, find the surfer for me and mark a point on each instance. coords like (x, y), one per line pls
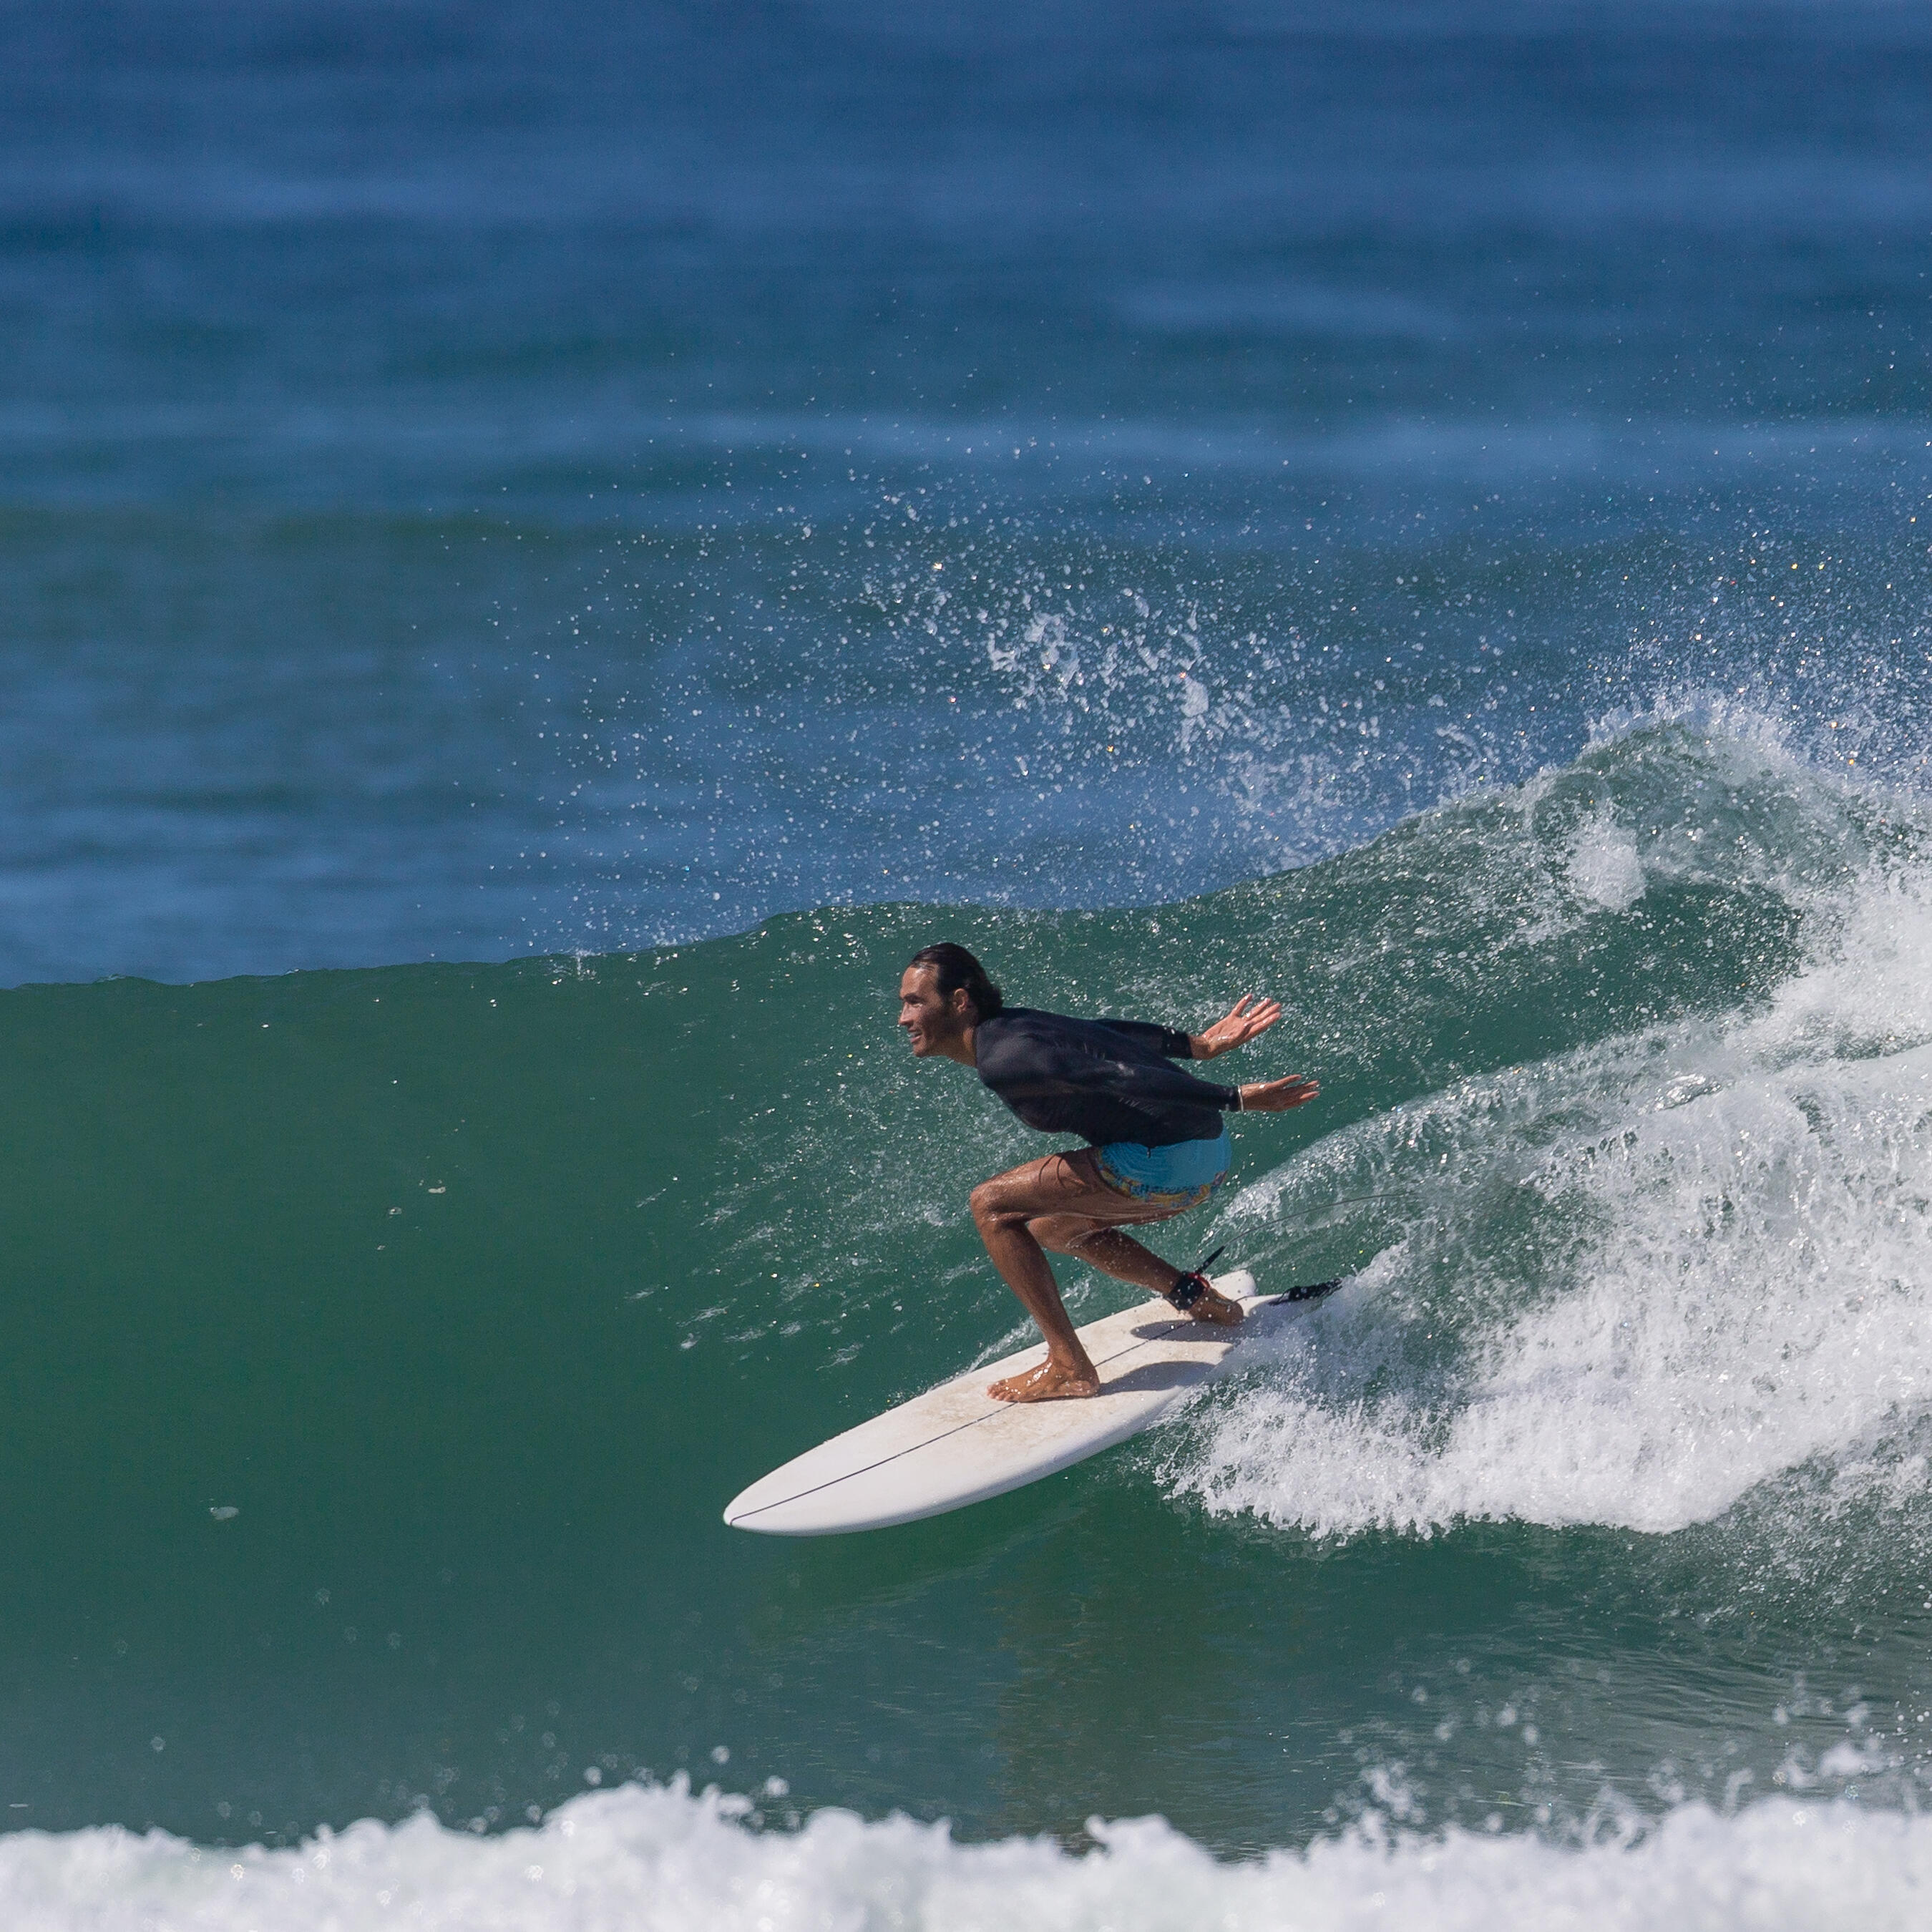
(1156, 1144)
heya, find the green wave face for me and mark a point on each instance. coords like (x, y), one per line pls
(383, 1345)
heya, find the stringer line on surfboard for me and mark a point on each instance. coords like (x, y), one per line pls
(929, 1455)
(972, 1422)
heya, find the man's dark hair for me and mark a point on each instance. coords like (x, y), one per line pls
(956, 967)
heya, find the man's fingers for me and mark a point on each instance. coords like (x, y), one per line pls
(1253, 1013)
(1278, 1096)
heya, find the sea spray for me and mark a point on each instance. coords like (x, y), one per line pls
(1707, 1237)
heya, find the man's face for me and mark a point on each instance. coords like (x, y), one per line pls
(932, 1022)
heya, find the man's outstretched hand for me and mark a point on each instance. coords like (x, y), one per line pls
(1248, 1017)
(1276, 1096)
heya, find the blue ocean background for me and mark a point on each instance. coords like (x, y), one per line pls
(543, 550)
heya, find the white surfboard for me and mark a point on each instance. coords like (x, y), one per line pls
(955, 1445)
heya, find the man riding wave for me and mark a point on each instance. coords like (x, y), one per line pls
(1156, 1143)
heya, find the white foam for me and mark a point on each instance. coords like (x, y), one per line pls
(1629, 1287)
(655, 1858)
(1604, 865)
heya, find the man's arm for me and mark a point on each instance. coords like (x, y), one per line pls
(1047, 1065)
(1169, 1042)
(1136, 1082)
(1046, 1068)
(1140, 1082)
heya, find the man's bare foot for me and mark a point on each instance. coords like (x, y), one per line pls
(1049, 1382)
(1215, 1307)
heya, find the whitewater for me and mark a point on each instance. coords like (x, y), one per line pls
(1721, 1224)
(669, 1860)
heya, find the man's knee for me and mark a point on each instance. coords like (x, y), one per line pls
(985, 1202)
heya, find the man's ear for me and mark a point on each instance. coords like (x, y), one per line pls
(961, 1001)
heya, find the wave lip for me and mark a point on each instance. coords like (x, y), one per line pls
(1655, 1273)
(660, 1858)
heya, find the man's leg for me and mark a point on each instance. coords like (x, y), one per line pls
(1002, 1208)
(1115, 1252)
(1062, 1197)
(1110, 1250)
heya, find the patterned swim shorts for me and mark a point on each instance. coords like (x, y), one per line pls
(1178, 1176)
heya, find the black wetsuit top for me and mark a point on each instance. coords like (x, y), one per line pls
(1105, 1080)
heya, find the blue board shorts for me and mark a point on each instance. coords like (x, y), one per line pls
(1180, 1176)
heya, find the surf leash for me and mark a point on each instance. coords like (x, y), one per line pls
(1191, 1286)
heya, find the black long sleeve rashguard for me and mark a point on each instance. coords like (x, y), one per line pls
(1105, 1080)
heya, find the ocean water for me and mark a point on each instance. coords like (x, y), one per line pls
(546, 550)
